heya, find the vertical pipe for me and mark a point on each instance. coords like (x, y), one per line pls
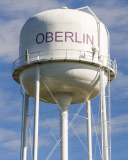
(99, 53)
(60, 134)
(89, 132)
(36, 111)
(21, 144)
(63, 100)
(104, 118)
(25, 127)
(101, 114)
(64, 133)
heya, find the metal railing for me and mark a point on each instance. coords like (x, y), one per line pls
(63, 54)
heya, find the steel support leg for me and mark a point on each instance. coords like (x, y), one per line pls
(103, 116)
(36, 111)
(89, 132)
(64, 133)
(25, 127)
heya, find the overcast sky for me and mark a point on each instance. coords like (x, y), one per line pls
(13, 15)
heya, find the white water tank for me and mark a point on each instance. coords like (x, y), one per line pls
(61, 41)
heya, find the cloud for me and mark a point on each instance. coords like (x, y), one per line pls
(12, 145)
(52, 123)
(120, 85)
(6, 134)
(11, 110)
(119, 124)
(44, 142)
(111, 12)
(115, 16)
(29, 7)
(10, 141)
(80, 128)
(9, 39)
(10, 107)
(14, 15)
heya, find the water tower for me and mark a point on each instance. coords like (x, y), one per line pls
(64, 53)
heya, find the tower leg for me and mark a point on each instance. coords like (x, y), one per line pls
(104, 118)
(89, 131)
(64, 100)
(36, 112)
(64, 133)
(25, 127)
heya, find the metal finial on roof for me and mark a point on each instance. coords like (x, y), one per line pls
(64, 7)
